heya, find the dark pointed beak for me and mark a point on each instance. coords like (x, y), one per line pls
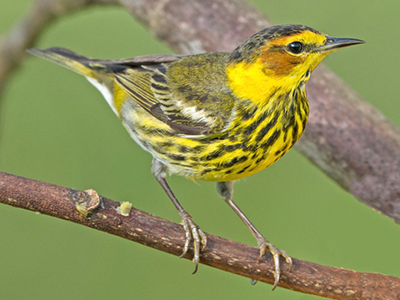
(332, 43)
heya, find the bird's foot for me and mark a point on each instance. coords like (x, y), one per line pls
(264, 245)
(193, 233)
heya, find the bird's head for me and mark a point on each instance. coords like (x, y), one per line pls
(281, 56)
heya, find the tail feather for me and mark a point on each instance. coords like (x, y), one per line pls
(66, 58)
(100, 73)
(92, 69)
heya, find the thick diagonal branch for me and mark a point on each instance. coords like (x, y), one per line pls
(169, 237)
(346, 137)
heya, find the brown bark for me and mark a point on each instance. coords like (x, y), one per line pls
(230, 256)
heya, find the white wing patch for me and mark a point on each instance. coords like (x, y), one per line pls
(195, 114)
(105, 92)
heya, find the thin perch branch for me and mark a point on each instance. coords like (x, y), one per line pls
(168, 237)
(345, 137)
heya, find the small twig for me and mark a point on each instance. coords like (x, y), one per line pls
(26, 32)
(168, 237)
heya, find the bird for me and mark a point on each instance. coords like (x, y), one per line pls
(218, 116)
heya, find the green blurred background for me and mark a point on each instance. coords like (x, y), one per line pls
(55, 127)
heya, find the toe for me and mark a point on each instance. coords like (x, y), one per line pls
(203, 238)
(188, 237)
(264, 245)
(195, 235)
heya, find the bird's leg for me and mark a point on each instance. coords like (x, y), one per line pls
(192, 231)
(225, 189)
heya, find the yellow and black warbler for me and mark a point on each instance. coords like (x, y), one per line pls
(213, 116)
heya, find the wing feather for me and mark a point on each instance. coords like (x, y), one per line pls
(189, 105)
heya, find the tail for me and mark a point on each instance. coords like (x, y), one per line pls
(94, 71)
(68, 59)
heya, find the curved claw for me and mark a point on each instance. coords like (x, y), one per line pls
(195, 234)
(264, 245)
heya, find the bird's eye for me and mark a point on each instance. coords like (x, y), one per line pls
(295, 47)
